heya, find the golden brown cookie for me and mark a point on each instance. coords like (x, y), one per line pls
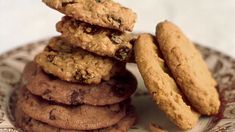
(81, 117)
(161, 85)
(101, 41)
(115, 90)
(104, 13)
(188, 68)
(74, 64)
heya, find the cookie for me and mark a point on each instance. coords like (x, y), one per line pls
(104, 13)
(101, 41)
(161, 85)
(31, 125)
(81, 117)
(113, 91)
(188, 68)
(74, 64)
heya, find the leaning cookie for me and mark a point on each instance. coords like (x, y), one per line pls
(188, 68)
(101, 41)
(115, 90)
(161, 85)
(104, 13)
(29, 124)
(74, 64)
(81, 117)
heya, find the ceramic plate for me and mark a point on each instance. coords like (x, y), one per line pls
(222, 67)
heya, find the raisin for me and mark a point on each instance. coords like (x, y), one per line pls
(115, 108)
(77, 97)
(83, 76)
(116, 37)
(98, 1)
(50, 58)
(66, 3)
(46, 92)
(115, 20)
(27, 120)
(122, 53)
(89, 29)
(51, 115)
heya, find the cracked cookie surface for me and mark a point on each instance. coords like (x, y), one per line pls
(104, 13)
(161, 85)
(74, 64)
(188, 68)
(115, 90)
(81, 117)
(101, 41)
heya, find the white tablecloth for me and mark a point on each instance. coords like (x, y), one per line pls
(209, 22)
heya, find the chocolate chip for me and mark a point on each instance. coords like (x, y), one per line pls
(98, 1)
(77, 97)
(122, 53)
(51, 115)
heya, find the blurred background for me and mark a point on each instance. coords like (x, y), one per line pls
(208, 22)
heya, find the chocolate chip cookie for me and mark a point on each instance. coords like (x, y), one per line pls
(101, 41)
(29, 124)
(82, 117)
(188, 68)
(161, 85)
(104, 13)
(74, 64)
(115, 90)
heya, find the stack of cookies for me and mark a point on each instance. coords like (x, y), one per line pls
(80, 82)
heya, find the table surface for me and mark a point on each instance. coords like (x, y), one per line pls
(208, 22)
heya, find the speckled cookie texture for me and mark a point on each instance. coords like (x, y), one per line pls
(74, 64)
(115, 90)
(82, 117)
(101, 41)
(104, 13)
(188, 68)
(161, 85)
(31, 125)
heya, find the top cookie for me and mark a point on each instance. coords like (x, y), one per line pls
(104, 13)
(76, 65)
(161, 85)
(188, 68)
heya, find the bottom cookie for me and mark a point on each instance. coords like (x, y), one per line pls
(28, 124)
(81, 117)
